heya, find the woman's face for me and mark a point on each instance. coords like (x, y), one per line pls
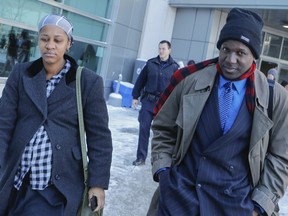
(53, 42)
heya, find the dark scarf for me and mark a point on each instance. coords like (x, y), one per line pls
(180, 74)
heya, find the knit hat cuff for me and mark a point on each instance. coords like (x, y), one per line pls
(244, 26)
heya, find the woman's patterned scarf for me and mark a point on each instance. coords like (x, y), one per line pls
(180, 74)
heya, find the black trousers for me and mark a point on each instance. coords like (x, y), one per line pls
(145, 119)
(28, 202)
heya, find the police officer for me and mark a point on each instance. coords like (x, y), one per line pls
(152, 80)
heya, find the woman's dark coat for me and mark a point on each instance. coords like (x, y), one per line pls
(24, 108)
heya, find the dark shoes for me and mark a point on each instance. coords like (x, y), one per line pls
(138, 162)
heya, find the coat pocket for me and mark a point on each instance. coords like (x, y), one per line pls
(76, 151)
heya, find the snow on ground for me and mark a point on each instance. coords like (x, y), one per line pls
(131, 187)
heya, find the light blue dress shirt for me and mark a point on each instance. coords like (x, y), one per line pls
(239, 89)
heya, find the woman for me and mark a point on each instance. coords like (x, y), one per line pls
(40, 154)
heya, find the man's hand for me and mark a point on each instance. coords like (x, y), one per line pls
(134, 103)
(100, 194)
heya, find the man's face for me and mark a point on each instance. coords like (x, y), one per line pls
(235, 58)
(164, 51)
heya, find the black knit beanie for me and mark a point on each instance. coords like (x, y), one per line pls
(244, 26)
(284, 83)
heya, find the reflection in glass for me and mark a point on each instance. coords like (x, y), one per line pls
(86, 27)
(87, 55)
(11, 53)
(24, 47)
(24, 11)
(28, 12)
(17, 45)
(284, 53)
(272, 45)
(100, 8)
(88, 58)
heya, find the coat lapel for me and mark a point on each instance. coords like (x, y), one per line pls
(261, 125)
(61, 92)
(193, 104)
(35, 88)
(261, 122)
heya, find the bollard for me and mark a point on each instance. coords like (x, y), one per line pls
(115, 99)
(118, 84)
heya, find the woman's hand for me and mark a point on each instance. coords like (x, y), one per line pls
(100, 194)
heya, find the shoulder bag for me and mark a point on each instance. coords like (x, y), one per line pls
(84, 209)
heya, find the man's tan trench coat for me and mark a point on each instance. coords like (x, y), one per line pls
(175, 124)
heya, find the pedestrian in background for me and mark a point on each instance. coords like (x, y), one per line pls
(11, 54)
(3, 42)
(191, 62)
(272, 73)
(40, 152)
(24, 47)
(150, 83)
(181, 64)
(284, 83)
(211, 150)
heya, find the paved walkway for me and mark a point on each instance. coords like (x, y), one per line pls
(131, 188)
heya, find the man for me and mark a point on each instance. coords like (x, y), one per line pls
(209, 165)
(152, 80)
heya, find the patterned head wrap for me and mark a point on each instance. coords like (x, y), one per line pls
(57, 20)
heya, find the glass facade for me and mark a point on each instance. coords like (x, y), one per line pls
(90, 20)
(284, 53)
(100, 8)
(272, 45)
(275, 47)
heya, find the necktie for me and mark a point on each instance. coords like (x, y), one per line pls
(225, 102)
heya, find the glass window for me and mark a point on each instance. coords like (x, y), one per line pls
(16, 45)
(87, 55)
(86, 27)
(262, 40)
(100, 8)
(266, 65)
(20, 45)
(272, 45)
(28, 12)
(284, 54)
(283, 73)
